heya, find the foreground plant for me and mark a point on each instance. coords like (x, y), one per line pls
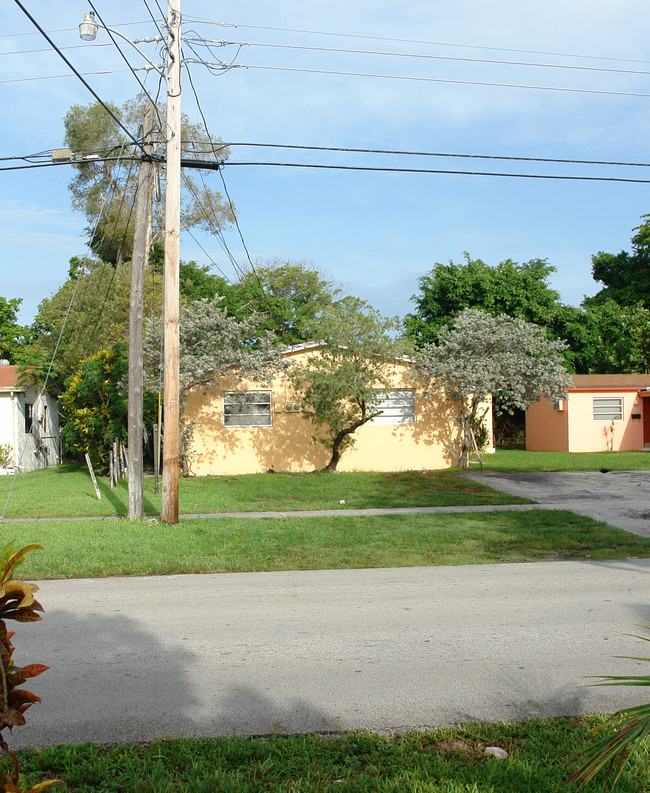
(631, 726)
(17, 603)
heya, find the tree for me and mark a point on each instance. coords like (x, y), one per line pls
(213, 346)
(12, 334)
(518, 290)
(196, 282)
(104, 189)
(96, 319)
(481, 356)
(95, 405)
(605, 337)
(625, 276)
(289, 298)
(341, 385)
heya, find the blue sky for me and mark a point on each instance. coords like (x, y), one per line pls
(376, 233)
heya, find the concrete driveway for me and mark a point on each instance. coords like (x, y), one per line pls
(620, 498)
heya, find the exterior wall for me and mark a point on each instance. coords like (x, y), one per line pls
(6, 418)
(587, 435)
(33, 450)
(547, 429)
(287, 445)
(575, 429)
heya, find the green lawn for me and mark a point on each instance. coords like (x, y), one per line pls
(67, 491)
(95, 548)
(521, 460)
(542, 754)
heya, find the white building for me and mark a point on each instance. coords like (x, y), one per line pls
(29, 424)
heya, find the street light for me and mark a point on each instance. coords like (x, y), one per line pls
(88, 28)
(88, 32)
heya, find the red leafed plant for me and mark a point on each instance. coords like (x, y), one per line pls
(17, 602)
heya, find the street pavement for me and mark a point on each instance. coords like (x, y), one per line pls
(290, 652)
(620, 498)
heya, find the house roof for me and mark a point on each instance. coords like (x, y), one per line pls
(9, 378)
(610, 381)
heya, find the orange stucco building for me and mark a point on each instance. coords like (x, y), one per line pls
(242, 427)
(602, 413)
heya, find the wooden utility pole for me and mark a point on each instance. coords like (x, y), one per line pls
(144, 200)
(171, 382)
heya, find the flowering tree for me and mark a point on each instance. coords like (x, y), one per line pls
(341, 386)
(480, 355)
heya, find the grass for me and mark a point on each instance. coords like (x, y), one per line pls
(67, 491)
(97, 548)
(542, 753)
(521, 460)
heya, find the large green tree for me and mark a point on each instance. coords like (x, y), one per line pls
(519, 290)
(88, 313)
(479, 356)
(95, 406)
(104, 186)
(625, 276)
(341, 385)
(288, 297)
(12, 335)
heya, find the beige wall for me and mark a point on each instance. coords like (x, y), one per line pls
(575, 429)
(287, 445)
(547, 429)
(587, 435)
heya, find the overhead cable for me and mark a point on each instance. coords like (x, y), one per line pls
(437, 171)
(412, 41)
(421, 56)
(79, 75)
(223, 66)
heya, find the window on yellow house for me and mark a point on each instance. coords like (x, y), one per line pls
(610, 409)
(397, 406)
(247, 409)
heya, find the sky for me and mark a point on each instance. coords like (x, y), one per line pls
(375, 232)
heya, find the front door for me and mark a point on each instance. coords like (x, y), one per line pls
(646, 422)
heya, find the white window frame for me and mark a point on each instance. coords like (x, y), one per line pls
(398, 406)
(262, 400)
(607, 408)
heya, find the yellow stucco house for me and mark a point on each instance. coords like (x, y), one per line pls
(602, 413)
(242, 427)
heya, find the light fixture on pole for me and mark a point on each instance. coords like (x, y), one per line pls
(88, 28)
(88, 32)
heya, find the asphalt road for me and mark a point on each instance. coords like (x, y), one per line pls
(620, 498)
(288, 652)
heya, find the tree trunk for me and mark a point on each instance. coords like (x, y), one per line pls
(340, 437)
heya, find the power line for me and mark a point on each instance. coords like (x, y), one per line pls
(46, 49)
(66, 30)
(188, 162)
(78, 74)
(223, 66)
(421, 56)
(62, 76)
(232, 207)
(440, 154)
(126, 60)
(412, 41)
(440, 171)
